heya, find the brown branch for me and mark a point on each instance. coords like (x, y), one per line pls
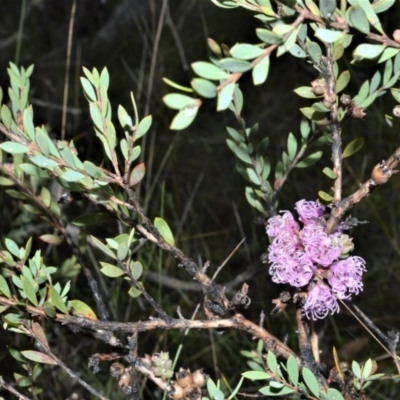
(237, 321)
(45, 348)
(6, 386)
(331, 98)
(380, 174)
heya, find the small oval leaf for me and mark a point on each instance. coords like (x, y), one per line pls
(353, 147)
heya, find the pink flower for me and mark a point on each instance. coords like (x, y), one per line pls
(282, 223)
(320, 302)
(309, 211)
(299, 253)
(318, 246)
(345, 276)
(296, 269)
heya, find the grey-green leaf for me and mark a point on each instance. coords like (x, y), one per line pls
(207, 70)
(353, 147)
(14, 148)
(311, 381)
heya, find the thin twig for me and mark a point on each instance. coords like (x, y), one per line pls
(67, 68)
(11, 389)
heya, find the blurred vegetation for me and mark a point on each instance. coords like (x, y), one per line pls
(191, 179)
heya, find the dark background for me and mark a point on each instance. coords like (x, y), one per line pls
(191, 179)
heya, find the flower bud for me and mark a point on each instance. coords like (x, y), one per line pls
(116, 370)
(396, 111)
(396, 35)
(345, 99)
(176, 392)
(192, 392)
(184, 377)
(199, 378)
(125, 383)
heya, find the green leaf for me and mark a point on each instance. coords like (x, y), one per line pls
(143, 127)
(272, 361)
(293, 370)
(328, 36)
(184, 118)
(371, 15)
(291, 146)
(103, 247)
(111, 270)
(164, 230)
(314, 50)
(342, 81)
(29, 290)
(39, 357)
(136, 269)
(13, 148)
(72, 176)
(395, 94)
(246, 51)
(358, 19)
(267, 36)
(29, 128)
(270, 391)
(6, 181)
(240, 153)
(367, 368)
(353, 147)
(325, 196)
(42, 140)
(57, 301)
(39, 332)
(310, 160)
(52, 239)
(177, 85)
(178, 101)
(204, 88)
(327, 8)
(6, 116)
(334, 394)
(260, 71)
(256, 375)
(234, 65)
(104, 79)
(122, 251)
(44, 162)
(225, 96)
(12, 247)
(368, 51)
(96, 116)
(306, 92)
(89, 219)
(209, 71)
(137, 174)
(88, 89)
(311, 381)
(4, 289)
(133, 292)
(45, 196)
(382, 5)
(235, 135)
(355, 367)
(82, 309)
(329, 173)
(368, 101)
(49, 310)
(375, 82)
(253, 176)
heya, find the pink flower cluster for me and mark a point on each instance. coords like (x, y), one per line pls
(303, 255)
